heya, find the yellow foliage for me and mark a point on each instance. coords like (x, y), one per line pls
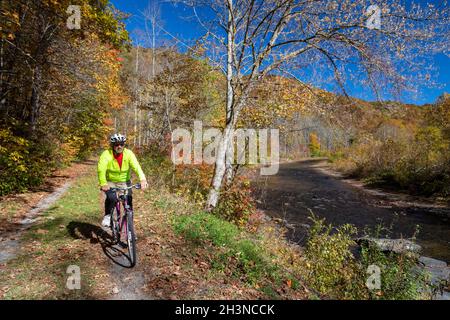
(108, 82)
(314, 144)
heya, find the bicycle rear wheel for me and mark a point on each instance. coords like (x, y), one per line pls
(131, 238)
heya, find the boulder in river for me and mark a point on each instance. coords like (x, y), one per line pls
(439, 273)
(394, 245)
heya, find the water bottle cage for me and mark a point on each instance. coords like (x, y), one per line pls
(122, 197)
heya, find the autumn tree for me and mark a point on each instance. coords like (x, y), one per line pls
(56, 83)
(314, 144)
(35, 45)
(184, 87)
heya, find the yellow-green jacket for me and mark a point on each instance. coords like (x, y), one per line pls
(108, 168)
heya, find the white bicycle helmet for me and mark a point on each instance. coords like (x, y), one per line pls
(117, 137)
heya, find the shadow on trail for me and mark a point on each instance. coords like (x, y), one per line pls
(96, 235)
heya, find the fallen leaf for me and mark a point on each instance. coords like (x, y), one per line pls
(289, 283)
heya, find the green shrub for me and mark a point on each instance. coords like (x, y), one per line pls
(23, 163)
(400, 276)
(156, 164)
(333, 269)
(334, 156)
(203, 226)
(26, 158)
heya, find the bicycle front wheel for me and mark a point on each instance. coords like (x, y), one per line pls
(131, 239)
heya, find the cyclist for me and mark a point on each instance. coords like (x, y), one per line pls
(114, 171)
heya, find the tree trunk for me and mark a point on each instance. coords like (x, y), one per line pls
(135, 124)
(35, 98)
(136, 94)
(221, 165)
(139, 128)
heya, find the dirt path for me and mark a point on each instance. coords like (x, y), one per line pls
(130, 284)
(308, 185)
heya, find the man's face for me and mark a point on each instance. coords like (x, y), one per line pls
(118, 147)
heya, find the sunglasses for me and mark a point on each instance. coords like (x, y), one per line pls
(119, 144)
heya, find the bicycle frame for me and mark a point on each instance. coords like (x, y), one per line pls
(122, 198)
(121, 221)
(122, 224)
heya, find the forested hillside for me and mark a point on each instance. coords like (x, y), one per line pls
(57, 86)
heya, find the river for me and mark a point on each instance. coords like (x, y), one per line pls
(307, 185)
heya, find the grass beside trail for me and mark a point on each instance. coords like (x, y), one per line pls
(236, 253)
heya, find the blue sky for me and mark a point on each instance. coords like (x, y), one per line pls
(175, 26)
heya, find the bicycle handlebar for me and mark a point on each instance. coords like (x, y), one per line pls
(136, 186)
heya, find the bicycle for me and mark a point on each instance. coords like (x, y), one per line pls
(122, 225)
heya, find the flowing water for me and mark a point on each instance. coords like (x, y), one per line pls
(303, 186)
